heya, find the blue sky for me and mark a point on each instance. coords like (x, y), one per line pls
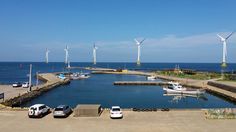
(175, 30)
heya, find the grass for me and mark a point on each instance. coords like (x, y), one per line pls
(198, 75)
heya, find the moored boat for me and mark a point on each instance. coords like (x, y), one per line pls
(77, 76)
(151, 78)
(174, 87)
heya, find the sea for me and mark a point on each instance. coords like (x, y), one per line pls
(99, 88)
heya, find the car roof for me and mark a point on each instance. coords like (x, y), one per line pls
(37, 105)
(61, 106)
(113, 107)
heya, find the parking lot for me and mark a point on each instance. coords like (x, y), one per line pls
(172, 121)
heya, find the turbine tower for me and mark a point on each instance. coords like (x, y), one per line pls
(222, 39)
(47, 51)
(67, 54)
(94, 54)
(138, 43)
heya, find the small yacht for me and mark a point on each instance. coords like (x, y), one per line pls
(78, 76)
(151, 78)
(174, 87)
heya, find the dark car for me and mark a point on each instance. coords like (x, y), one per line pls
(62, 111)
(16, 84)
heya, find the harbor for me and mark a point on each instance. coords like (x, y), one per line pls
(20, 96)
(120, 66)
(224, 89)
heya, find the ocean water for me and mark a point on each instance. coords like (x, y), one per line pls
(99, 88)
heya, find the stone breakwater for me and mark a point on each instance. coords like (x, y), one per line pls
(51, 81)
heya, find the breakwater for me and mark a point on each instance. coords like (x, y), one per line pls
(223, 90)
(139, 83)
(51, 81)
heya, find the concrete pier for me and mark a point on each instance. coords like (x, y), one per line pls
(228, 94)
(139, 83)
(16, 96)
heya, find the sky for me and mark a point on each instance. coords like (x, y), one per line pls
(175, 30)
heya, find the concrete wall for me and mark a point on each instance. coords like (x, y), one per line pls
(222, 86)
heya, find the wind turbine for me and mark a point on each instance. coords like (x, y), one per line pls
(138, 43)
(222, 39)
(94, 54)
(47, 51)
(67, 54)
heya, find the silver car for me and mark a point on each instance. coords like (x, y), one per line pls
(62, 111)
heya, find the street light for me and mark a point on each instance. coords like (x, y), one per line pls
(37, 78)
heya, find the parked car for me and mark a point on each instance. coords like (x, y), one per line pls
(16, 84)
(25, 85)
(38, 110)
(116, 112)
(62, 111)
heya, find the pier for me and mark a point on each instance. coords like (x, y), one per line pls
(223, 89)
(139, 83)
(16, 96)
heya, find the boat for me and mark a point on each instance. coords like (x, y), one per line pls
(175, 87)
(151, 78)
(61, 76)
(78, 76)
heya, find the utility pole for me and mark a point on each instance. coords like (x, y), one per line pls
(37, 81)
(30, 78)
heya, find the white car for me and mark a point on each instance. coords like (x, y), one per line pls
(16, 84)
(116, 112)
(38, 110)
(25, 85)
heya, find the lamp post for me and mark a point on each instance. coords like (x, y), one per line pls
(30, 79)
(37, 78)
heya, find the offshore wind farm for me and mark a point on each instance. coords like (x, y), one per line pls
(152, 65)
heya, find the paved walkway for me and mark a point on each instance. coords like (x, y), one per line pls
(10, 92)
(173, 121)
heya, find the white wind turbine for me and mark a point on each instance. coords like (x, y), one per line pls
(222, 39)
(47, 51)
(94, 54)
(67, 54)
(139, 51)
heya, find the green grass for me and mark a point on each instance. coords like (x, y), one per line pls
(198, 76)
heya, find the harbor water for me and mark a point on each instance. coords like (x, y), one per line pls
(99, 88)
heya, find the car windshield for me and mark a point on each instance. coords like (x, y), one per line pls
(115, 109)
(59, 109)
(32, 108)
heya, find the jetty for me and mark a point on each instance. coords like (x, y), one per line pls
(16, 96)
(224, 89)
(139, 83)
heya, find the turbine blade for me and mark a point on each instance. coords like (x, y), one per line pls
(142, 41)
(220, 37)
(229, 35)
(137, 42)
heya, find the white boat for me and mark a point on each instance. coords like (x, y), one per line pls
(151, 78)
(174, 87)
(77, 76)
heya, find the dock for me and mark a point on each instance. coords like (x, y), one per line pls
(16, 96)
(224, 90)
(139, 83)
